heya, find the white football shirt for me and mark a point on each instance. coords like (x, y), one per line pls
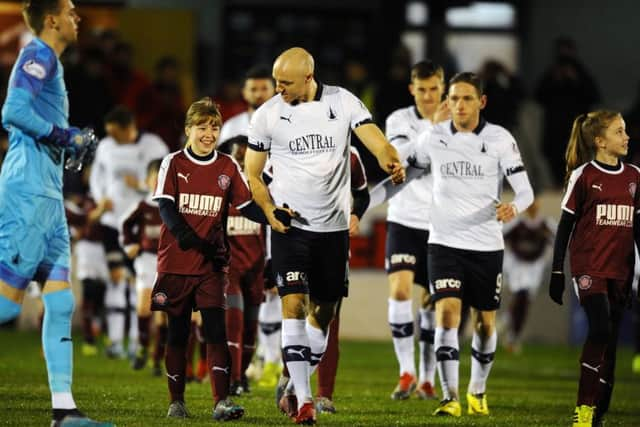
(112, 162)
(468, 169)
(309, 152)
(411, 207)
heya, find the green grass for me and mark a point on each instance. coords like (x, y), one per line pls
(536, 388)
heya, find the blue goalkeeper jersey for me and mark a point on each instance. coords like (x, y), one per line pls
(36, 100)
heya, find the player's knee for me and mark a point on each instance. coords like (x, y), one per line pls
(400, 286)
(400, 293)
(294, 306)
(485, 329)
(213, 325)
(59, 304)
(9, 310)
(177, 336)
(599, 333)
(322, 315)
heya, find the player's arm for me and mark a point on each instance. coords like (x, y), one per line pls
(387, 156)
(418, 164)
(358, 208)
(386, 189)
(30, 75)
(359, 192)
(519, 182)
(254, 162)
(514, 171)
(130, 232)
(397, 132)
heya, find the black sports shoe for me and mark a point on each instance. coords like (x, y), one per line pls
(244, 381)
(140, 359)
(235, 389)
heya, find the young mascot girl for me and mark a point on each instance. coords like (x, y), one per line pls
(195, 187)
(599, 222)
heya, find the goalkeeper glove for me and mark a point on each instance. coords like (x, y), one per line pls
(82, 152)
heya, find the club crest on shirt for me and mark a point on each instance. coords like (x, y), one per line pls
(160, 299)
(332, 114)
(632, 189)
(584, 282)
(224, 181)
(34, 69)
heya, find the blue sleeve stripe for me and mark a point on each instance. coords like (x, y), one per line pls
(27, 82)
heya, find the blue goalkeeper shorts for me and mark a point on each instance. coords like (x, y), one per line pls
(34, 242)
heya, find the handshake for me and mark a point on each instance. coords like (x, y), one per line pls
(79, 145)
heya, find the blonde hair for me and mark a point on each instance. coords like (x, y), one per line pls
(582, 142)
(202, 111)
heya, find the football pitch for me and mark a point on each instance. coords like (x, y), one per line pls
(535, 388)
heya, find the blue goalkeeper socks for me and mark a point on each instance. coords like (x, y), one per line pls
(56, 339)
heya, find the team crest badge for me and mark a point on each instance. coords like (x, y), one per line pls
(584, 282)
(224, 181)
(160, 299)
(632, 189)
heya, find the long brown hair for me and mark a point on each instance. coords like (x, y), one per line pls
(582, 142)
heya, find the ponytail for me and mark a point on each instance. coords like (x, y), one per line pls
(582, 147)
(578, 151)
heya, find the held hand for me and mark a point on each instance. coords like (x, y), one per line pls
(505, 212)
(106, 204)
(396, 171)
(280, 219)
(188, 239)
(354, 225)
(556, 287)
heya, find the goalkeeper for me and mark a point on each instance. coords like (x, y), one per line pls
(34, 238)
